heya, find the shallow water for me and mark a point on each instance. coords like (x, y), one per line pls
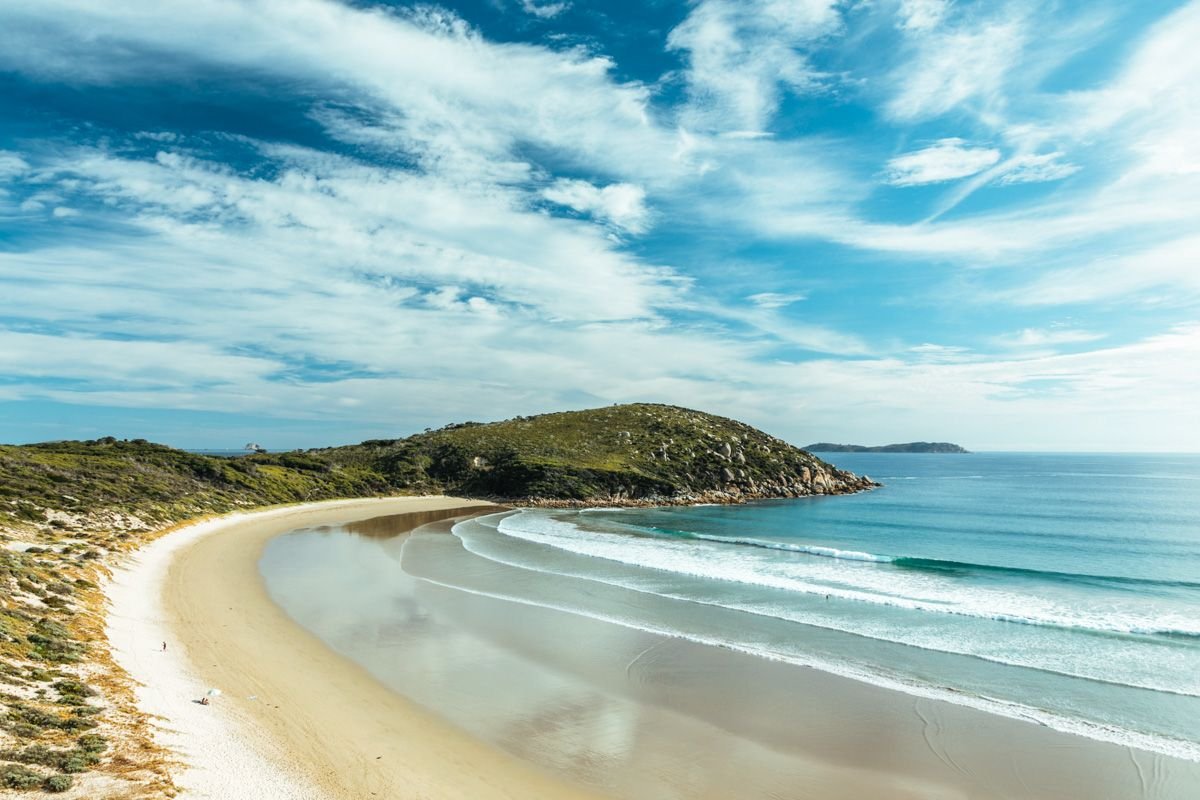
(1059, 589)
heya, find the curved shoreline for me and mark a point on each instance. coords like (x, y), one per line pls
(295, 719)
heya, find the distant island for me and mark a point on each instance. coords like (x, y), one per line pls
(909, 447)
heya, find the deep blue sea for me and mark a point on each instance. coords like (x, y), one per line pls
(1063, 589)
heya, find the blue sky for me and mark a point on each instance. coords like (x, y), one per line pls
(310, 222)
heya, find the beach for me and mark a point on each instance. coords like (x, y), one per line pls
(366, 648)
(293, 719)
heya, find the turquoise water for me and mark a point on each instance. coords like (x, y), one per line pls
(1059, 588)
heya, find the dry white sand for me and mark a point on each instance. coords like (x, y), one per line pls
(215, 745)
(294, 720)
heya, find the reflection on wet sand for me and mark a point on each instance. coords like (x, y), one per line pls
(643, 716)
(393, 525)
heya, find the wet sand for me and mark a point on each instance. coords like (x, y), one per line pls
(637, 715)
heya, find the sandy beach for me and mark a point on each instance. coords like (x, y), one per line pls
(294, 719)
(305, 717)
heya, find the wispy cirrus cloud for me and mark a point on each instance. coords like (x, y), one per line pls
(1161, 274)
(741, 56)
(775, 299)
(954, 65)
(1042, 337)
(1036, 169)
(497, 97)
(945, 160)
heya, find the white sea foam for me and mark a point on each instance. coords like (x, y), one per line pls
(854, 577)
(1100, 732)
(1117, 665)
(812, 550)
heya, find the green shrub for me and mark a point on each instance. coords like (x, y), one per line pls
(92, 743)
(24, 730)
(57, 783)
(52, 642)
(27, 585)
(51, 628)
(73, 692)
(74, 760)
(16, 776)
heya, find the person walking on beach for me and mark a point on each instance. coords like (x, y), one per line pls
(164, 647)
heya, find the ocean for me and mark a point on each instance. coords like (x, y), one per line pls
(1062, 590)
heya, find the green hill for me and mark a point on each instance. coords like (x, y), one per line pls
(639, 453)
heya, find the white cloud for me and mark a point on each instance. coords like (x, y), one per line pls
(929, 352)
(11, 165)
(741, 53)
(1167, 272)
(951, 66)
(922, 15)
(158, 136)
(1171, 152)
(946, 160)
(1042, 337)
(622, 204)
(1035, 169)
(775, 299)
(496, 97)
(1157, 80)
(332, 213)
(544, 10)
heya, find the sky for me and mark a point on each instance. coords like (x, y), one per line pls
(311, 222)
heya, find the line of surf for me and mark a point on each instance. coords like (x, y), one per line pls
(472, 546)
(938, 565)
(1099, 732)
(576, 540)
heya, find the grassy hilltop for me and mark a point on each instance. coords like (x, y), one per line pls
(639, 452)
